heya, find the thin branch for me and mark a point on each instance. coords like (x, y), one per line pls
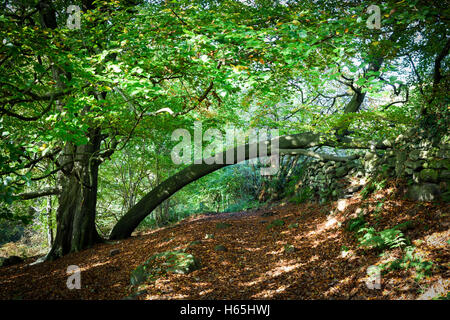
(38, 194)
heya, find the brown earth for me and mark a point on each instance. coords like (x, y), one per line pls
(326, 262)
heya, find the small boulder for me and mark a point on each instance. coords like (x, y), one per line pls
(12, 260)
(113, 252)
(194, 243)
(423, 192)
(223, 225)
(220, 247)
(289, 248)
(342, 205)
(341, 171)
(387, 142)
(414, 165)
(268, 214)
(353, 189)
(162, 263)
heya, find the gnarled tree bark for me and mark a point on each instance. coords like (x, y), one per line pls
(75, 216)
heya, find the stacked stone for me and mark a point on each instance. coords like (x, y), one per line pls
(423, 164)
(333, 179)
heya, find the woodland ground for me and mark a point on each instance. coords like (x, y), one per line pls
(255, 265)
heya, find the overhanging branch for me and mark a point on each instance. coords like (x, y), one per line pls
(321, 156)
(38, 194)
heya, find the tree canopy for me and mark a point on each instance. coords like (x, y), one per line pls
(80, 105)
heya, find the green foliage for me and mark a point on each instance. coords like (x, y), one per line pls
(409, 260)
(303, 195)
(355, 224)
(231, 189)
(275, 223)
(244, 204)
(368, 237)
(372, 186)
(18, 212)
(325, 194)
(258, 65)
(388, 238)
(172, 217)
(160, 264)
(223, 225)
(377, 212)
(442, 297)
(290, 187)
(10, 231)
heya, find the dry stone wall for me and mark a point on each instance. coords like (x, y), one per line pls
(422, 163)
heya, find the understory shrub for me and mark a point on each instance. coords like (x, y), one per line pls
(410, 259)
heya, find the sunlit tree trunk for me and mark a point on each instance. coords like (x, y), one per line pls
(75, 216)
(49, 222)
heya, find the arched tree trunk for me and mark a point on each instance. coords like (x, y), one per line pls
(291, 144)
(167, 188)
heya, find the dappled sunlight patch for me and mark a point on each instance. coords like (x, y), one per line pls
(253, 283)
(269, 293)
(205, 292)
(314, 258)
(275, 252)
(253, 249)
(326, 263)
(95, 265)
(335, 286)
(436, 289)
(438, 239)
(282, 269)
(345, 254)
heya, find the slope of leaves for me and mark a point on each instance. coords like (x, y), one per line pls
(312, 255)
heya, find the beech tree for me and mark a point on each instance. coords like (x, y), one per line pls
(71, 98)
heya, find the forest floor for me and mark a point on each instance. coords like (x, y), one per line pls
(325, 264)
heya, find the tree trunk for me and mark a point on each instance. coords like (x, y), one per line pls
(49, 222)
(290, 144)
(75, 216)
(168, 187)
